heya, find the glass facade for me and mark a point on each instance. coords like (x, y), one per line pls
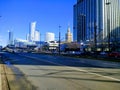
(100, 18)
(10, 42)
(75, 23)
(111, 19)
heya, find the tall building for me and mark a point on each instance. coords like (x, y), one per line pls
(68, 35)
(75, 23)
(37, 36)
(28, 37)
(10, 39)
(32, 31)
(49, 37)
(98, 19)
(34, 35)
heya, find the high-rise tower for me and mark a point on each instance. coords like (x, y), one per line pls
(68, 35)
(34, 35)
(32, 31)
(37, 36)
(98, 19)
(10, 39)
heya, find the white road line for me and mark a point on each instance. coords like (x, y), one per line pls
(78, 69)
(108, 77)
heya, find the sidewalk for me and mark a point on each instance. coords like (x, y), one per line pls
(0, 73)
(0, 78)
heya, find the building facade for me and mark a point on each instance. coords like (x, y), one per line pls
(10, 39)
(52, 45)
(37, 36)
(27, 37)
(23, 43)
(96, 19)
(34, 35)
(49, 37)
(32, 31)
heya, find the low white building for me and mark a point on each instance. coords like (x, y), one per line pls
(22, 43)
(52, 45)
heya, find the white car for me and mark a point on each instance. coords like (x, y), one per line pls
(103, 53)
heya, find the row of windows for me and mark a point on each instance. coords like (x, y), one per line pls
(91, 13)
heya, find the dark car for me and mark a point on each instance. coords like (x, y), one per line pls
(114, 54)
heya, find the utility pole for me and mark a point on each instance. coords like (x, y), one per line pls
(59, 38)
(95, 36)
(108, 23)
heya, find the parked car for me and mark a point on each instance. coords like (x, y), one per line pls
(103, 53)
(114, 54)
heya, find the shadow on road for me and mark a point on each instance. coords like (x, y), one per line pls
(48, 60)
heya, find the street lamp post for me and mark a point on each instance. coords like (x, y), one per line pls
(108, 23)
(59, 38)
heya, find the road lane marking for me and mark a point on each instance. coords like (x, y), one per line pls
(108, 77)
(78, 69)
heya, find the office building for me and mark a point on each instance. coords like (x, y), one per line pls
(32, 31)
(10, 39)
(68, 35)
(96, 19)
(37, 36)
(75, 23)
(34, 35)
(28, 37)
(49, 37)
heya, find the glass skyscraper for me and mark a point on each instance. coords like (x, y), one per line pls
(98, 19)
(32, 31)
(10, 40)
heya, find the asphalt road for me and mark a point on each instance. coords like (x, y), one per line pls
(47, 72)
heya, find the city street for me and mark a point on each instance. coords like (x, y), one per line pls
(59, 44)
(30, 71)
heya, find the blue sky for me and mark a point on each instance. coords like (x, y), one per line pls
(49, 14)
